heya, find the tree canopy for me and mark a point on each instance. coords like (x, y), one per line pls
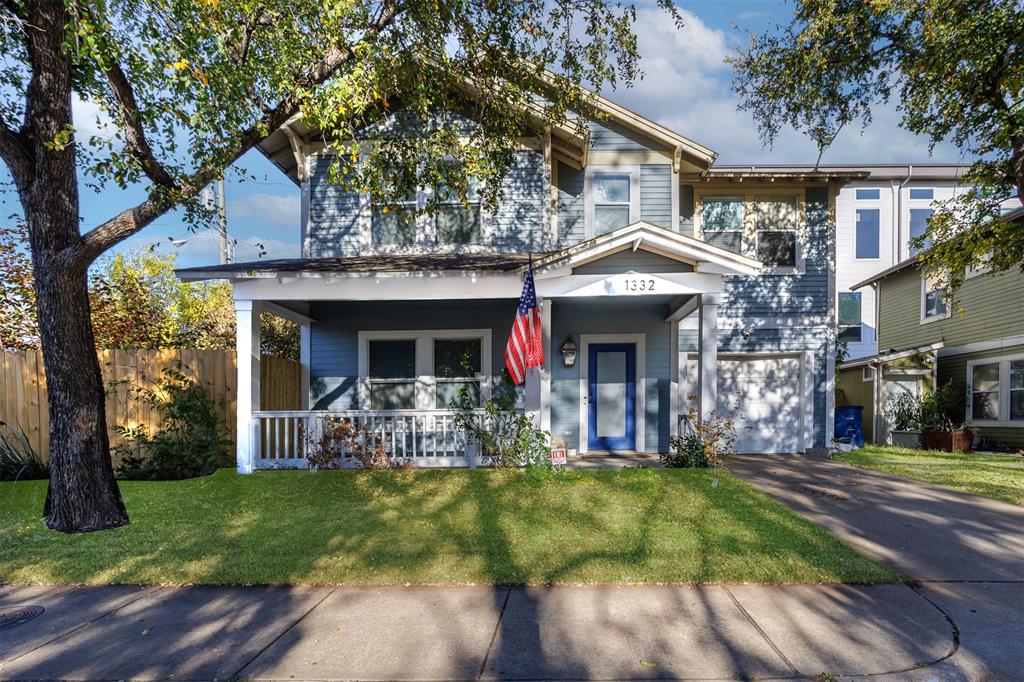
(955, 70)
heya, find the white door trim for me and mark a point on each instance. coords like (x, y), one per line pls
(805, 430)
(641, 359)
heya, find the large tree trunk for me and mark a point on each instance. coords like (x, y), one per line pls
(83, 494)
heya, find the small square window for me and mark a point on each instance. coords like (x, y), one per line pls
(924, 193)
(867, 194)
(458, 221)
(777, 249)
(776, 221)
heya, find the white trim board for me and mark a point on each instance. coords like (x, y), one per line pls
(641, 385)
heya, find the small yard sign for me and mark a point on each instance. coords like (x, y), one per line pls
(558, 456)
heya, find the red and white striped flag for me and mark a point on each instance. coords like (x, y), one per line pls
(525, 347)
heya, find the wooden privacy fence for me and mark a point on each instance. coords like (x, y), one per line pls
(23, 387)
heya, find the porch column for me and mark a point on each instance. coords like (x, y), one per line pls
(247, 345)
(538, 379)
(305, 336)
(707, 372)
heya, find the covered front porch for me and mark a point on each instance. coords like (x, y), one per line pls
(387, 341)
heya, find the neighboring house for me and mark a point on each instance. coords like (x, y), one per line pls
(976, 344)
(681, 285)
(876, 219)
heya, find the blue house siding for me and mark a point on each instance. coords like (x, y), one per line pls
(569, 183)
(631, 261)
(572, 318)
(686, 209)
(518, 223)
(797, 294)
(609, 136)
(334, 337)
(656, 194)
(334, 224)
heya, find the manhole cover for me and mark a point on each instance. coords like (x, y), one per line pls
(18, 615)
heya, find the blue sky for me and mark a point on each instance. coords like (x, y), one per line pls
(686, 87)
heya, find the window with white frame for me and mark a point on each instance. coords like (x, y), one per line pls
(868, 194)
(922, 193)
(423, 370)
(933, 300)
(393, 222)
(849, 316)
(867, 233)
(919, 218)
(457, 218)
(777, 229)
(721, 220)
(612, 199)
(1016, 371)
(996, 387)
(985, 392)
(391, 374)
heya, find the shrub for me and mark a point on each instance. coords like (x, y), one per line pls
(905, 410)
(704, 444)
(338, 436)
(507, 438)
(18, 459)
(191, 440)
(943, 409)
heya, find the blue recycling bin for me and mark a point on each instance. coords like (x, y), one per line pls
(848, 424)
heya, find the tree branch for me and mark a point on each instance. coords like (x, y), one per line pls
(16, 156)
(134, 133)
(130, 221)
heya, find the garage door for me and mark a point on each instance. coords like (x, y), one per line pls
(762, 395)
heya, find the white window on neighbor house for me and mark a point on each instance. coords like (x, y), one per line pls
(850, 316)
(457, 219)
(423, 370)
(721, 221)
(996, 390)
(919, 218)
(922, 193)
(612, 198)
(867, 233)
(972, 271)
(933, 301)
(868, 194)
(777, 225)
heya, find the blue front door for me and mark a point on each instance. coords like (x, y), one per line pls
(612, 396)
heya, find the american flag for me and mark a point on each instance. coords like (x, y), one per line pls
(525, 347)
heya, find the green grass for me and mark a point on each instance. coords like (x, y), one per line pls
(434, 527)
(989, 475)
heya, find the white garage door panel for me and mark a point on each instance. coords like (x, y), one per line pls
(762, 395)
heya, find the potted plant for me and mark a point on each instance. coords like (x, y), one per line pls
(905, 410)
(942, 417)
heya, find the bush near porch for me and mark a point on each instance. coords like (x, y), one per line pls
(434, 527)
(997, 476)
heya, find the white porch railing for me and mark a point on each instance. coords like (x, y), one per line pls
(427, 438)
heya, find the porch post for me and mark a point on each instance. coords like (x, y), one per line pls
(247, 345)
(707, 372)
(545, 370)
(305, 335)
(673, 372)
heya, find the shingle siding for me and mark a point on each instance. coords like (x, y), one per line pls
(334, 214)
(656, 194)
(609, 136)
(632, 261)
(518, 223)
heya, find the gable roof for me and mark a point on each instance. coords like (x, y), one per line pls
(642, 235)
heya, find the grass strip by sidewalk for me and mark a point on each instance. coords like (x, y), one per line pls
(434, 527)
(997, 476)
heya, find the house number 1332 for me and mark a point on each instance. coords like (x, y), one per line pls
(639, 284)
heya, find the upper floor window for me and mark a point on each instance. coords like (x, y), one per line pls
(868, 194)
(612, 201)
(849, 315)
(393, 223)
(777, 222)
(457, 221)
(933, 301)
(918, 224)
(721, 221)
(867, 232)
(925, 193)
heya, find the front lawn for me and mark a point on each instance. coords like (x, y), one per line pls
(1001, 477)
(483, 526)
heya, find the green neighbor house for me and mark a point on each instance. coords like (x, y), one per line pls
(976, 344)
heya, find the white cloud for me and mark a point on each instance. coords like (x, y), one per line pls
(90, 120)
(270, 210)
(687, 87)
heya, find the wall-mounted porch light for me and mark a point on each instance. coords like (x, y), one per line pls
(569, 352)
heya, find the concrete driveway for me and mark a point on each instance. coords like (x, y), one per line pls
(963, 552)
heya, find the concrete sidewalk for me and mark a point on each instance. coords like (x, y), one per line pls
(421, 633)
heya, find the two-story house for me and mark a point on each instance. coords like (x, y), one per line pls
(976, 344)
(666, 283)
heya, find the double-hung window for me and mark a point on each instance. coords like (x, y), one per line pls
(849, 316)
(612, 201)
(392, 374)
(777, 229)
(457, 368)
(933, 301)
(393, 222)
(721, 220)
(996, 387)
(457, 216)
(920, 213)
